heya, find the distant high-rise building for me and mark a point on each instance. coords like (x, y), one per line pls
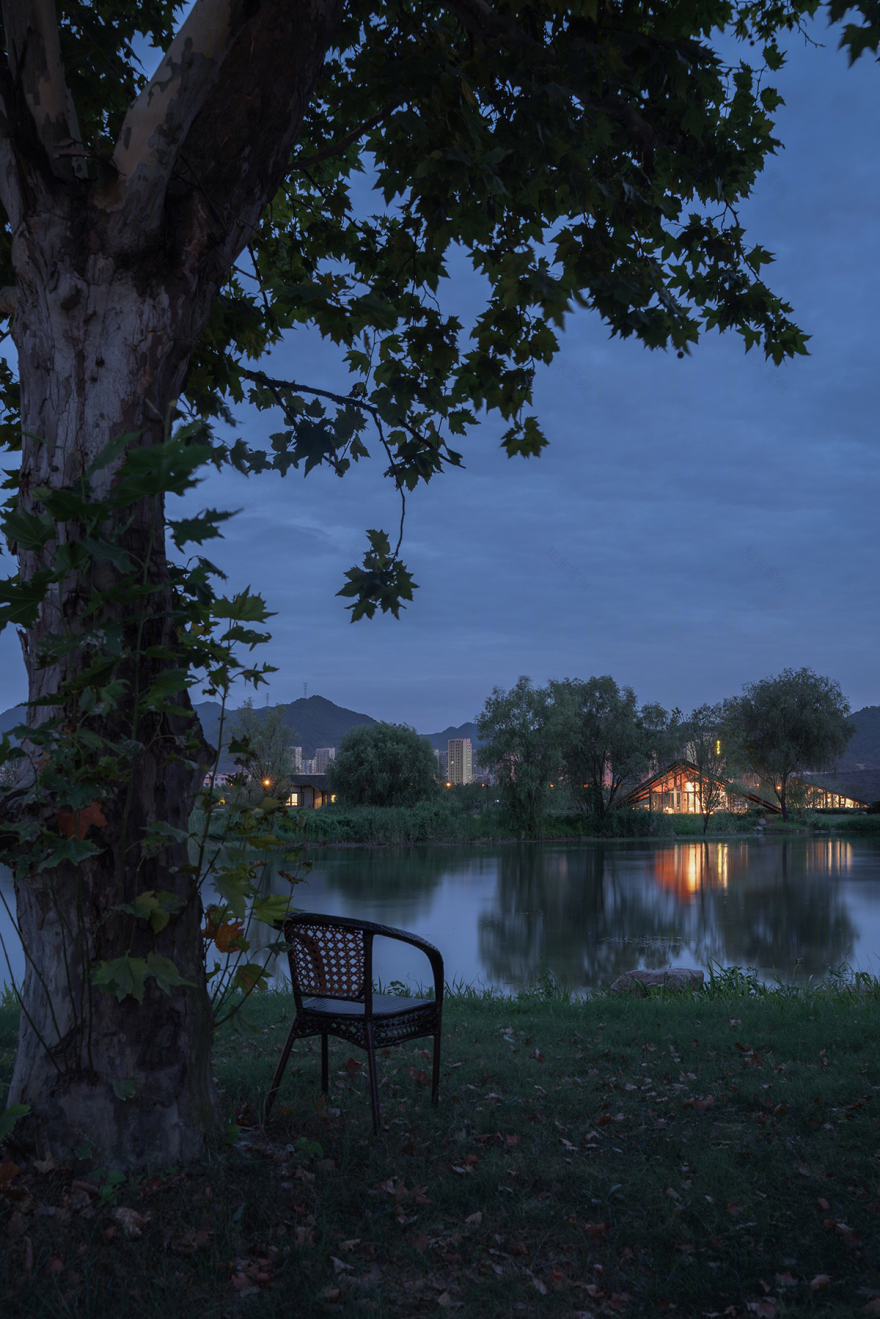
(323, 756)
(461, 767)
(297, 753)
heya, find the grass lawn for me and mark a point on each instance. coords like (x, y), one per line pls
(708, 1155)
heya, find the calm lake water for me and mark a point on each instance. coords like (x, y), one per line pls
(589, 911)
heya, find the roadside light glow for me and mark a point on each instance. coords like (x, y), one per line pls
(266, 782)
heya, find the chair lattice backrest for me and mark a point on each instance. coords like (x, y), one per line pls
(327, 960)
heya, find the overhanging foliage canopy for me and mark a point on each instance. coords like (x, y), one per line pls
(584, 154)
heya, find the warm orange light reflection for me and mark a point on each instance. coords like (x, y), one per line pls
(688, 868)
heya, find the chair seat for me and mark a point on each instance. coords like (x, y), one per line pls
(384, 1005)
(394, 1020)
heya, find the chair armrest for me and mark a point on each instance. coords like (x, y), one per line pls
(433, 954)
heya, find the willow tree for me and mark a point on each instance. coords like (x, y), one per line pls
(162, 231)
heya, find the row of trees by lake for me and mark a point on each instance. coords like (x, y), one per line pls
(582, 746)
(594, 738)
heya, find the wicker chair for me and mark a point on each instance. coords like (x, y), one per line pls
(331, 969)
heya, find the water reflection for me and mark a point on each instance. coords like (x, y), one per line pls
(593, 914)
(587, 912)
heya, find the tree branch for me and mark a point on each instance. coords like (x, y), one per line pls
(305, 162)
(269, 74)
(158, 122)
(37, 70)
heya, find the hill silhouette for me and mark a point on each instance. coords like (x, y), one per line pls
(314, 722)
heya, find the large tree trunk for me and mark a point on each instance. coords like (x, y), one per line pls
(104, 353)
(116, 276)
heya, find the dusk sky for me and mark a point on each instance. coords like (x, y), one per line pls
(694, 524)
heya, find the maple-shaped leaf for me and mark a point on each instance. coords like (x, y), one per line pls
(229, 937)
(75, 823)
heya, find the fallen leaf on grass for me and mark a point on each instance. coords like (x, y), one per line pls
(8, 1170)
(764, 1309)
(536, 1283)
(188, 1242)
(329, 1294)
(350, 1244)
(786, 1280)
(820, 1282)
(131, 1222)
(474, 1220)
(593, 1230)
(873, 1306)
(339, 1265)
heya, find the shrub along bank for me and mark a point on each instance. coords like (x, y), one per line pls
(449, 820)
(709, 1154)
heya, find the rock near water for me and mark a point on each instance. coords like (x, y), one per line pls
(672, 978)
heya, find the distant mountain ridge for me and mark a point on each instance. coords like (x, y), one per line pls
(315, 722)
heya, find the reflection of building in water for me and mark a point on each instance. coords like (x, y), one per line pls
(828, 855)
(690, 868)
(676, 791)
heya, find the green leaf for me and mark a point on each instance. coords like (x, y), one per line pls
(252, 977)
(104, 549)
(270, 909)
(165, 973)
(157, 908)
(124, 1089)
(30, 531)
(124, 977)
(112, 451)
(10, 1116)
(196, 530)
(20, 602)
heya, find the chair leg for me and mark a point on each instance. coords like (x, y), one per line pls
(435, 1077)
(279, 1071)
(325, 1070)
(374, 1085)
